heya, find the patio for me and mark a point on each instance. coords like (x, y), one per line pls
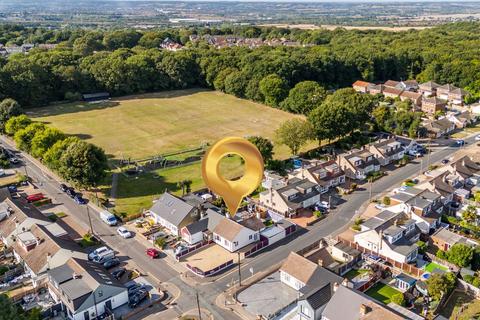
(267, 296)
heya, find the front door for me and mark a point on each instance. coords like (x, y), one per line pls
(108, 305)
(86, 316)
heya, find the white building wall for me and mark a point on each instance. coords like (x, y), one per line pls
(291, 281)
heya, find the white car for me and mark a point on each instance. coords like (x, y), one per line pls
(477, 138)
(124, 233)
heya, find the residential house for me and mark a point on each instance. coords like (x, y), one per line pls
(175, 213)
(335, 256)
(444, 239)
(409, 85)
(287, 201)
(304, 275)
(414, 97)
(431, 105)
(461, 119)
(193, 233)
(361, 86)
(357, 164)
(376, 89)
(387, 151)
(233, 235)
(438, 128)
(392, 234)
(19, 217)
(392, 84)
(351, 304)
(444, 184)
(423, 206)
(170, 45)
(40, 250)
(457, 96)
(393, 93)
(428, 89)
(467, 169)
(444, 92)
(85, 290)
(325, 174)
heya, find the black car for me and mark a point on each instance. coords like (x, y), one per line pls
(63, 187)
(111, 263)
(117, 274)
(138, 297)
(133, 288)
(12, 189)
(71, 192)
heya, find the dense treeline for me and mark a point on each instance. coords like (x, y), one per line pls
(128, 61)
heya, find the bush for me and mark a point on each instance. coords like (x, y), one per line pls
(398, 299)
(318, 214)
(160, 242)
(442, 255)
(386, 201)
(422, 247)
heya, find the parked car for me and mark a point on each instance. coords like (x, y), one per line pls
(35, 197)
(108, 218)
(14, 160)
(117, 274)
(153, 253)
(380, 206)
(137, 298)
(71, 192)
(104, 257)
(477, 138)
(124, 233)
(63, 187)
(97, 252)
(12, 188)
(2, 172)
(459, 143)
(445, 161)
(134, 287)
(79, 200)
(113, 262)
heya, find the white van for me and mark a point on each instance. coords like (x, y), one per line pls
(104, 256)
(108, 218)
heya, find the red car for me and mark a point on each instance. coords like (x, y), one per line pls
(35, 197)
(153, 253)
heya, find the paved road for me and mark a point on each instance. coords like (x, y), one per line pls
(336, 222)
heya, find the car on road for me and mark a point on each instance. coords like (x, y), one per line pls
(63, 187)
(445, 161)
(117, 274)
(459, 143)
(12, 188)
(153, 253)
(109, 218)
(71, 192)
(35, 197)
(137, 298)
(477, 138)
(98, 252)
(14, 160)
(124, 233)
(79, 200)
(2, 172)
(113, 262)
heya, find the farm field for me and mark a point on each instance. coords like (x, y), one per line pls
(151, 124)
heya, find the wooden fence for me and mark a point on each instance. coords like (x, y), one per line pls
(192, 249)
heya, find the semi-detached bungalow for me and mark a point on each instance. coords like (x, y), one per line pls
(326, 174)
(387, 151)
(357, 164)
(233, 235)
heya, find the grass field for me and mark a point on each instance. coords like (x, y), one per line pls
(382, 292)
(159, 123)
(432, 266)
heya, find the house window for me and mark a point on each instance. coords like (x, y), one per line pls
(250, 237)
(305, 311)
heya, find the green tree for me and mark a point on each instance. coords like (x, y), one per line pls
(398, 299)
(15, 124)
(274, 89)
(263, 145)
(9, 310)
(44, 140)
(440, 284)
(52, 156)
(470, 214)
(422, 246)
(460, 254)
(294, 133)
(23, 138)
(304, 97)
(9, 108)
(83, 164)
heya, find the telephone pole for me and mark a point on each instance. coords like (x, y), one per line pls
(370, 190)
(89, 220)
(198, 305)
(239, 273)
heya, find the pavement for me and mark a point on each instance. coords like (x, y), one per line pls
(210, 288)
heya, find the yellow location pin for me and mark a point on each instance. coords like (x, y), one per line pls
(233, 191)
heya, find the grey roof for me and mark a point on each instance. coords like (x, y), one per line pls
(213, 219)
(319, 297)
(320, 278)
(61, 273)
(171, 208)
(406, 278)
(379, 219)
(293, 187)
(75, 288)
(392, 230)
(345, 304)
(198, 226)
(404, 246)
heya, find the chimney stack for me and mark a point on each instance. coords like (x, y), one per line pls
(363, 310)
(320, 262)
(335, 286)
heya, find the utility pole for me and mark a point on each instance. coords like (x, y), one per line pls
(198, 305)
(89, 220)
(370, 190)
(239, 273)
